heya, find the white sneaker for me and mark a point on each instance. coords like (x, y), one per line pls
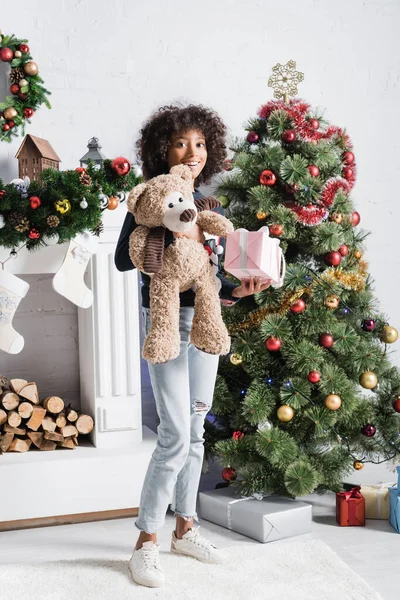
(145, 565)
(195, 545)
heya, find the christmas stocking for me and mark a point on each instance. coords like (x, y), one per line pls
(12, 290)
(68, 281)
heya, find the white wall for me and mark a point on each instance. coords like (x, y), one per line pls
(108, 64)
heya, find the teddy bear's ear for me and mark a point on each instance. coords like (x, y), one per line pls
(182, 171)
(134, 196)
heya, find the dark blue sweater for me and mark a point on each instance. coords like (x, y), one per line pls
(123, 262)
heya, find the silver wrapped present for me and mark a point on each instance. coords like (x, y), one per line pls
(263, 518)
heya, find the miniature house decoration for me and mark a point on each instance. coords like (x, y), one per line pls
(35, 155)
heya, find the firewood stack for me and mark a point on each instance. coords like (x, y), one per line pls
(25, 421)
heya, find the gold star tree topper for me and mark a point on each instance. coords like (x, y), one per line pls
(284, 80)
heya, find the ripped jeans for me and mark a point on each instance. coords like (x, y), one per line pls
(183, 390)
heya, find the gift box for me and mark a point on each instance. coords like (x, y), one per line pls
(263, 518)
(394, 499)
(376, 500)
(255, 253)
(350, 508)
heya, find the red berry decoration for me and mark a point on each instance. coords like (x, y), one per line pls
(252, 137)
(35, 202)
(355, 218)
(314, 377)
(368, 324)
(34, 234)
(369, 430)
(347, 172)
(267, 177)
(6, 54)
(289, 135)
(325, 340)
(276, 229)
(228, 474)
(314, 171)
(344, 250)
(228, 164)
(23, 48)
(80, 170)
(273, 344)
(22, 96)
(121, 166)
(333, 259)
(11, 124)
(28, 112)
(238, 435)
(6, 127)
(396, 404)
(14, 89)
(314, 123)
(298, 306)
(348, 158)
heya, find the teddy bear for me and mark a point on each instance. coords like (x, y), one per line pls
(166, 202)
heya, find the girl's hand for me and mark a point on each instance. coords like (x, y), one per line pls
(249, 286)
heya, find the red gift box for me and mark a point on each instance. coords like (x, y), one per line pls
(350, 508)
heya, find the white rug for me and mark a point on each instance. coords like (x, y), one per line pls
(306, 570)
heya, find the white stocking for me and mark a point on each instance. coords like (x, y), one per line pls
(68, 281)
(12, 290)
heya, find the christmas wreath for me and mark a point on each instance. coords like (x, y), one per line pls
(26, 88)
(62, 204)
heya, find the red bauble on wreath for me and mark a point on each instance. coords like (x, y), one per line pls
(273, 344)
(314, 377)
(348, 158)
(333, 259)
(35, 202)
(355, 218)
(14, 89)
(6, 54)
(344, 250)
(298, 306)
(325, 340)
(34, 234)
(289, 135)
(252, 137)
(121, 166)
(314, 123)
(276, 229)
(396, 404)
(228, 474)
(314, 171)
(267, 177)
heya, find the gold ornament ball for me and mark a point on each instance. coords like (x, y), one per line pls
(337, 218)
(389, 334)
(285, 413)
(113, 203)
(9, 113)
(261, 215)
(368, 380)
(358, 465)
(236, 359)
(17, 54)
(332, 301)
(333, 402)
(358, 254)
(63, 206)
(31, 68)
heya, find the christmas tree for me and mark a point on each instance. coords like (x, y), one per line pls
(308, 392)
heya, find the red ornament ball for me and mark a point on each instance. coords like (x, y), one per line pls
(289, 135)
(23, 48)
(228, 164)
(298, 306)
(369, 430)
(14, 89)
(35, 202)
(121, 166)
(238, 435)
(28, 112)
(344, 250)
(22, 96)
(6, 127)
(333, 259)
(325, 340)
(314, 377)
(267, 177)
(34, 234)
(348, 158)
(314, 123)
(273, 344)
(368, 324)
(6, 54)
(229, 474)
(347, 172)
(355, 218)
(396, 404)
(276, 229)
(252, 137)
(314, 171)
(80, 170)
(11, 124)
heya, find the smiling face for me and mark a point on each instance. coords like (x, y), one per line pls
(188, 148)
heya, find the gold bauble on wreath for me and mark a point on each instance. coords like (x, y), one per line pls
(63, 206)
(261, 215)
(236, 359)
(389, 334)
(368, 380)
(358, 465)
(357, 254)
(10, 113)
(332, 302)
(31, 68)
(336, 217)
(333, 402)
(285, 413)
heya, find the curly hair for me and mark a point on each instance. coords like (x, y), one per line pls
(155, 135)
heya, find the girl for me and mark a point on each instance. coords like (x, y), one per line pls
(183, 388)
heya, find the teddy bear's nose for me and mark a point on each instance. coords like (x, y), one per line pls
(187, 215)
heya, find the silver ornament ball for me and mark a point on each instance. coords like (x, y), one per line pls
(83, 203)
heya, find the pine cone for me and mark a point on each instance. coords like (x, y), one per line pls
(16, 75)
(85, 179)
(23, 225)
(98, 230)
(53, 221)
(15, 218)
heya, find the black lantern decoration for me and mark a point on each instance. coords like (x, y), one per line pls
(93, 154)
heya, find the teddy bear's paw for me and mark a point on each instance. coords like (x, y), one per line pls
(217, 344)
(160, 350)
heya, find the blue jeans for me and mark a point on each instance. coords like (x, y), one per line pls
(183, 390)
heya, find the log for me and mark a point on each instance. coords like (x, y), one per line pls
(48, 445)
(17, 430)
(84, 424)
(3, 417)
(18, 445)
(54, 437)
(69, 430)
(14, 419)
(48, 424)
(72, 415)
(17, 384)
(25, 409)
(5, 441)
(53, 404)
(68, 443)
(75, 439)
(30, 392)
(9, 400)
(37, 417)
(36, 437)
(61, 420)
